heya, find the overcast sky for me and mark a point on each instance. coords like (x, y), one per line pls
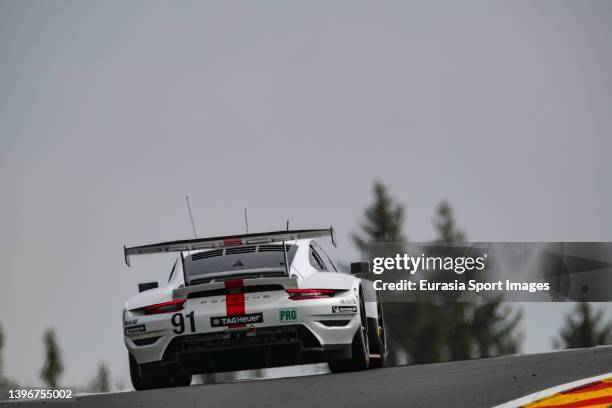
(110, 112)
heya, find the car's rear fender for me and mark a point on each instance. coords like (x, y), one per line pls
(149, 297)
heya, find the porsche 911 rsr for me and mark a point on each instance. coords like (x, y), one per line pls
(251, 301)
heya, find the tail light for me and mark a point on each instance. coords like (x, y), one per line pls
(166, 307)
(302, 294)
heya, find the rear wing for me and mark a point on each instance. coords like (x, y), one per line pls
(230, 240)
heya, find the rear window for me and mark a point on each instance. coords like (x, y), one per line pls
(249, 258)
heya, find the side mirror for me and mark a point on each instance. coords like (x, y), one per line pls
(147, 286)
(360, 267)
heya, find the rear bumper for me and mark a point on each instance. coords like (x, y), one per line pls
(248, 349)
(317, 334)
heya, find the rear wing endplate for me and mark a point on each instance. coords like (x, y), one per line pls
(226, 241)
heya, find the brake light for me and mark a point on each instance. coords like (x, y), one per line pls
(166, 307)
(302, 294)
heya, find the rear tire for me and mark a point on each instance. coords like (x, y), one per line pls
(157, 379)
(379, 339)
(360, 348)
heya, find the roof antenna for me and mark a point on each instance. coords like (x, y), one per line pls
(246, 220)
(191, 217)
(287, 272)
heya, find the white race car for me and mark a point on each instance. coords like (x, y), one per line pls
(251, 301)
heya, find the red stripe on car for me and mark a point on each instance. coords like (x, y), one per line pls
(234, 300)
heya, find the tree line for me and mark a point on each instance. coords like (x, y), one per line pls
(426, 332)
(53, 368)
(418, 332)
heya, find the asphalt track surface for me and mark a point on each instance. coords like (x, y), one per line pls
(474, 383)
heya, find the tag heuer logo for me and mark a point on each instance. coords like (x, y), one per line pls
(232, 320)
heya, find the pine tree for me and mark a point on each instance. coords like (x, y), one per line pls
(382, 225)
(5, 383)
(475, 329)
(413, 334)
(1, 345)
(443, 329)
(101, 383)
(584, 328)
(494, 326)
(53, 367)
(454, 315)
(446, 226)
(3, 380)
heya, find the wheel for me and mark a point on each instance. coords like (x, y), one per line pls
(138, 382)
(360, 348)
(155, 379)
(378, 338)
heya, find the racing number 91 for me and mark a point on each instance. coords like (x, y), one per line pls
(178, 321)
